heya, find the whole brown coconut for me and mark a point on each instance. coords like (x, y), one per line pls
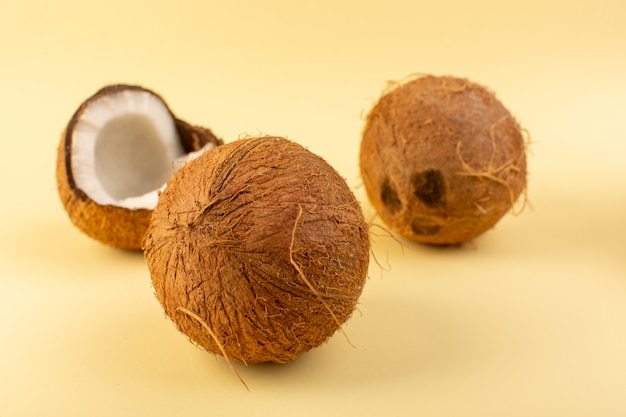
(258, 250)
(442, 160)
(118, 149)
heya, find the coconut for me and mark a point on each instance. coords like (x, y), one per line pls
(442, 160)
(258, 250)
(119, 148)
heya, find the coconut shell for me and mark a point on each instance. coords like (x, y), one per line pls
(258, 250)
(116, 226)
(442, 159)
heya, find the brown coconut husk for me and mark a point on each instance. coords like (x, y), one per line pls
(264, 244)
(442, 160)
(116, 226)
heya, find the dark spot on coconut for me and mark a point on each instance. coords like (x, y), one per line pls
(389, 197)
(429, 186)
(424, 226)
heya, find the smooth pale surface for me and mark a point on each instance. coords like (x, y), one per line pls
(529, 320)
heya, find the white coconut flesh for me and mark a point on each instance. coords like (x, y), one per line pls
(125, 147)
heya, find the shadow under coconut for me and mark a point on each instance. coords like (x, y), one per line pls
(393, 338)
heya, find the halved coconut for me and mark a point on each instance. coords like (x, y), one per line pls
(116, 153)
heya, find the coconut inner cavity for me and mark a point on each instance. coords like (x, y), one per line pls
(130, 159)
(125, 147)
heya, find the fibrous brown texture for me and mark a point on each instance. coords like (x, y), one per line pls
(258, 250)
(113, 225)
(442, 159)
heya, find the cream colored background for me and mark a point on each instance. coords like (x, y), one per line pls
(529, 320)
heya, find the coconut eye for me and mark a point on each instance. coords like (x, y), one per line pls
(389, 197)
(424, 226)
(429, 186)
